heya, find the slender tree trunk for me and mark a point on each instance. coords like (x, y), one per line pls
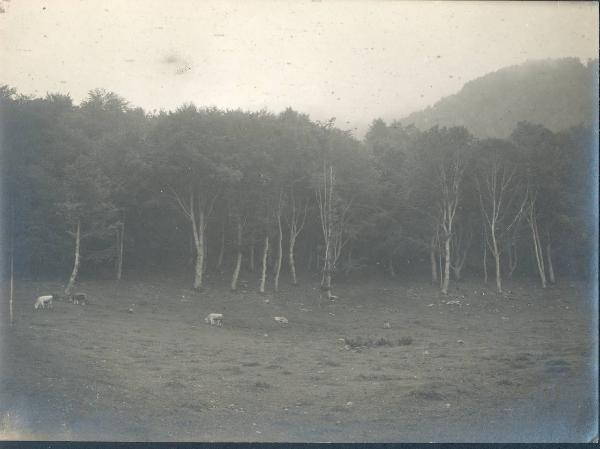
(485, 271)
(291, 261)
(205, 250)
(446, 265)
(537, 247)
(238, 263)
(498, 275)
(439, 262)
(221, 247)
(326, 276)
(496, 253)
(512, 259)
(327, 285)
(192, 249)
(550, 265)
(279, 260)
(432, 259)
(73, 277)
(263, 275)
(327, 222)
(120, 240)
(198, 230)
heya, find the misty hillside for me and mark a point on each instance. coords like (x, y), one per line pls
(555, 93)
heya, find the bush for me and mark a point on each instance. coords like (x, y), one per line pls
(361, 342)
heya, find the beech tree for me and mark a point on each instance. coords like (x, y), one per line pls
(105, 185)
(438, 160)
(189, 159)
(502, 195)
(547, 206)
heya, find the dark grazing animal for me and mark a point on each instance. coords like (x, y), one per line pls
(79, 298)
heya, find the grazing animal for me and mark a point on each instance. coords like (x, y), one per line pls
(214, 319)
(78, 298)
(44, 301)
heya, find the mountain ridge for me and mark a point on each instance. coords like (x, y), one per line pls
(556, 93)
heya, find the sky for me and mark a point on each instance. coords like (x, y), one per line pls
(353, 60)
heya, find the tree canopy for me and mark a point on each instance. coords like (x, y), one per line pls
(198, 186)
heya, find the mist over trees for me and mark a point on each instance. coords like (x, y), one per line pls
(558, 93)
(105, 190)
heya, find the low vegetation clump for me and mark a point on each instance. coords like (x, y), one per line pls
(362, 342)
(405, 341)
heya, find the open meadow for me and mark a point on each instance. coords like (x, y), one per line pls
(470, 366)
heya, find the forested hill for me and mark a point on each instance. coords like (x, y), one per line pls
(555, 93)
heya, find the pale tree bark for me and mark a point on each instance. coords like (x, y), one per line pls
(485, 271)
(73, 277)
(446, 266)
(279, 260)
(221, 247)
(325, 198)
(263, 275)
(332, 231)
(535, 237)
(295, 225)
(439, 260)
(451, 178)
(550, 264)
(291, 260)
(238, 261)
(197, 213)
(204, 252)
(251, 256)
(512, 258)
(499, 216)
(120, 239)
(433, 260)
(496, 252)
(198, 233)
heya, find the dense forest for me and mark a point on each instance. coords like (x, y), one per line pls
(102, 189)
(557, 93)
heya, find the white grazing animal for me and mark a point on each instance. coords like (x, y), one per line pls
(214, 318)
(43, 301)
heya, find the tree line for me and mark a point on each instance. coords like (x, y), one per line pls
(106, 188)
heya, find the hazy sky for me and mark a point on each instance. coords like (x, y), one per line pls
(354, 60)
